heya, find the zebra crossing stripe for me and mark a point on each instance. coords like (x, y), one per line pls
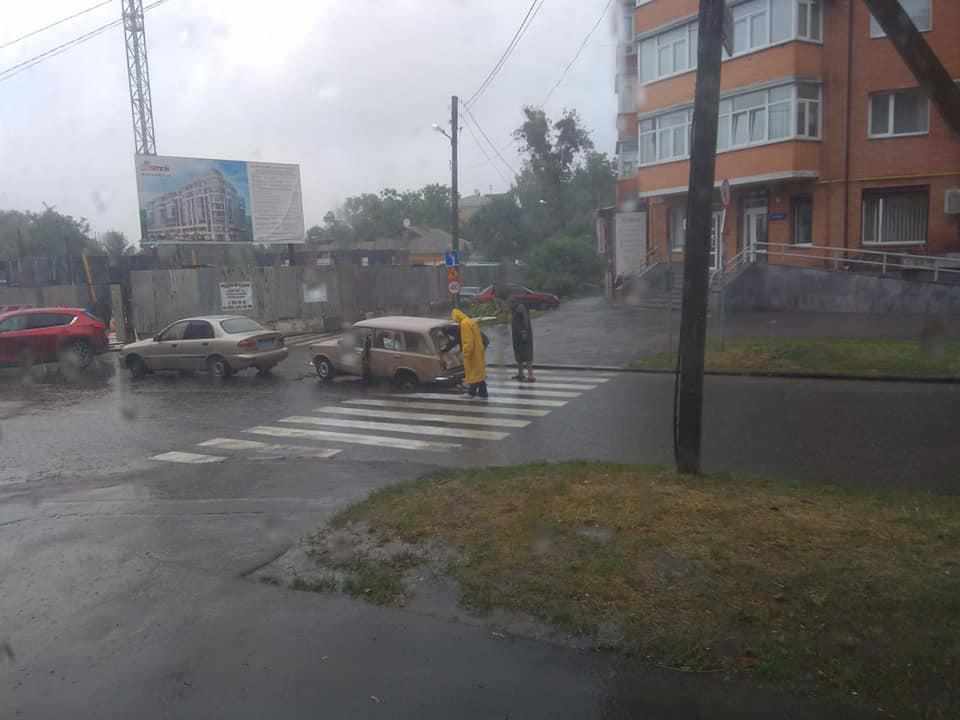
(425, 417)
(501, 399)
(395, 427)
(522, 391)
(353, 438)
(516, 384)
(188, 458)
(236, 444)
(476, 409)
(578, 379)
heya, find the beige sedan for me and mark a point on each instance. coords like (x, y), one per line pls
(405, 350)
(219, 344)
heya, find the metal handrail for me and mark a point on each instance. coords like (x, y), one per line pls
(856, 256)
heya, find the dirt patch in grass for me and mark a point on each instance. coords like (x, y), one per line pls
(801, 587)
(902, 358)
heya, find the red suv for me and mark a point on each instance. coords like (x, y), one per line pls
(42, 335)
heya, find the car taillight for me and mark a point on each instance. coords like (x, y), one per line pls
(247, 344)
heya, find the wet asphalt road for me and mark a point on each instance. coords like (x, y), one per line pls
(121, 578)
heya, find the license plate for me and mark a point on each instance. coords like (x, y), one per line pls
(265, 344)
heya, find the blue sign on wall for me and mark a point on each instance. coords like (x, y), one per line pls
(777, 216)
(451, 258)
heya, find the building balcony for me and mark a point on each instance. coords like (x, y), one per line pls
(792, 159)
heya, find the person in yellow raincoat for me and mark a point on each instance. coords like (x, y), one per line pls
(474, 362)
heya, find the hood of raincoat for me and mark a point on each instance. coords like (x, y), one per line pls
(459, 315)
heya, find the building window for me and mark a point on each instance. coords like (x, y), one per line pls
(669, 53)
(802, 220)
(918, 10)
(665, 138)
(809, 20)
(904, 112)
(895, 217)
(754, 118)
(808, 111)
(678, 227)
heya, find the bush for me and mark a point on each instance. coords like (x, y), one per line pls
(562, 265)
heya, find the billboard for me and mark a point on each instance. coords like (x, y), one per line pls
(194, 200)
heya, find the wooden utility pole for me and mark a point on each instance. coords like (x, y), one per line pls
(693, 321)
(454, 183)
(920, 58)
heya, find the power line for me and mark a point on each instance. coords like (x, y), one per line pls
(524, 24)
(486, 155)
(54, 24)
(579, 50)
(13, 70)
(489, 141)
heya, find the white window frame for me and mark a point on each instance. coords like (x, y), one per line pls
(881, 197)
(693, 31)
(654, 129)
(877, 32)
(806, 6)
(892, 94)
(808, 104)
(659, 43)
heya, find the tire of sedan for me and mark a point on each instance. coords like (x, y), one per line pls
(79, 353)
(324, 368)
(136, 366)
(218, 367)
(405, 381)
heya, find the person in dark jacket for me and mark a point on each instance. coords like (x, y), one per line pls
(522, 331)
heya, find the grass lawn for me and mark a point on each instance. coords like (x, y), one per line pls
(825, 356)
(811, 588)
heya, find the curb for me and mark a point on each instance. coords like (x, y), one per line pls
(747, 374)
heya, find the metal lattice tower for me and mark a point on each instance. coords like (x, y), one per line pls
(138, 75)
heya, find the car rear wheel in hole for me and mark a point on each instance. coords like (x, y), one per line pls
(218, 367)
(137, 367)
(405, 381)
(325, 369)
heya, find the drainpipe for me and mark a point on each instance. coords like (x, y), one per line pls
(847, 133)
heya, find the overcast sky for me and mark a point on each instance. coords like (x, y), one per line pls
(348, 89)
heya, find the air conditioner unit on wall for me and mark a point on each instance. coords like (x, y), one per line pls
(951, 202)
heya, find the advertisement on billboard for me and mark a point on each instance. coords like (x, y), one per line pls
(193, 200)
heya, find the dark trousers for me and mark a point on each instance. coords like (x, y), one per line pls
(479, 388)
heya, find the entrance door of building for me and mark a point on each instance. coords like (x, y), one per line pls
(755, 232)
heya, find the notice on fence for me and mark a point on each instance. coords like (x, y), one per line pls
(236, 296)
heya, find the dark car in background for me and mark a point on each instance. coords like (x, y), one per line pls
(46, 335)
(531, 298)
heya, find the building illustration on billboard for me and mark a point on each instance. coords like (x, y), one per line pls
(192, 200)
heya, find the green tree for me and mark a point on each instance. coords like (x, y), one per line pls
(563, 264)
(48, 233)
(497, 229)
(563, 180)
(115, 244)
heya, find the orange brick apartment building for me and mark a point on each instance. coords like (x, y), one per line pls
(824, 136)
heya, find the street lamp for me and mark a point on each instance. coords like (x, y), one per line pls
(442, 131)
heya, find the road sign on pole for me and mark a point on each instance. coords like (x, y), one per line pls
(725, 192)
(454, 287)
(451, 258)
